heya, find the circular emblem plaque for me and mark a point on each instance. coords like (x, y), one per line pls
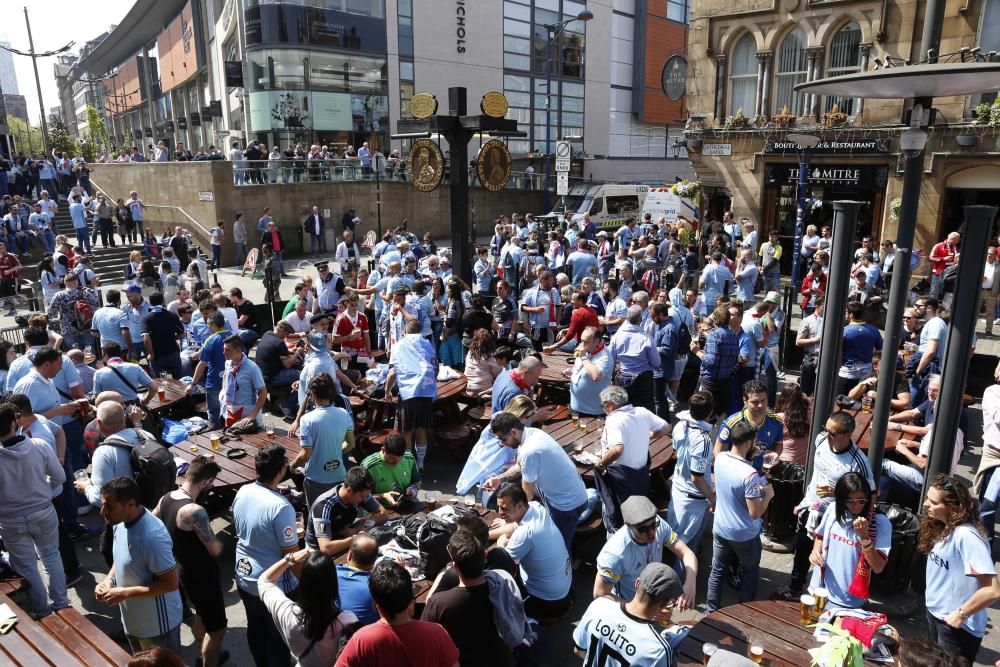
(425, 164)
(494, 105)
(423, 105)
(493, 165)
(674, 77)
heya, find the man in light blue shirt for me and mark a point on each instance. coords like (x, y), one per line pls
(78, 213)
(590, 374)
(414, 369)
(692, 497)
(533, 542)
(583, 262)
(122, 376)
(714, 280)
(110, 323)
(243, 393)
(542, 305)
(483, 270)
(322, 434)
(135, 312)
(616, 309)
(264, 523)
(636, 356)
(545, 470)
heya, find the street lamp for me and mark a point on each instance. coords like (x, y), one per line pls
(805, 143)
(552, 31)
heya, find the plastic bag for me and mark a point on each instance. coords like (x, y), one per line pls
(174, 432)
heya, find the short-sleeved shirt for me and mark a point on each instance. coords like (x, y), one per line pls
(841, 552)
(829, 466)
(163, 328)
(105, 379)
(612, 636)
(584, 392)
(214, 358)
(952, 567)
(316, 363)
(934, 329)
(143, 550)
(323, 430)
(616, 308)
(736, 481)
(505, 389)
(248, 309)
(630, 426)
(329, 516)
(108, 322)
(769, 433)
(241, 383)
(583, 264)
(860, 342)
(345, 326)
(41, 391)
(264, 523)
(270, 351)
(538, 547)
(135, 316)
(694, 449)
(413, 644)
(621, 560)
(355, 596)
(392, 478)
(545, 464)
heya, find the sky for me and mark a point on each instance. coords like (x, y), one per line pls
(54, 23)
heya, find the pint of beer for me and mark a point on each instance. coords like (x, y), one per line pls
(216, 442)
(807, 604)
(821, 595)
(163, 396)
(756, 653)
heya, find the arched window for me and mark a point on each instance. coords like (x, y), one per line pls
(989, 40)
(845, 58)
(743, 76)
(791, 70)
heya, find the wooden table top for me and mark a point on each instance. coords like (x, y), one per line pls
(175, 391)
(447, 389)
(234, 472)
(776, 624)
(661, 449)
(863, 431)
(61, 639)
(555, 364)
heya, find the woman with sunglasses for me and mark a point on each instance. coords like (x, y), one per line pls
(847, 548)
(961, 577)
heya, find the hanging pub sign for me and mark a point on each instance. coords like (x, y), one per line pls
(848, 147)
(425, 164)
(674, 77)
(493, 165)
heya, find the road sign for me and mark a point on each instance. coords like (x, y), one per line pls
(563, 155)
(562, 184)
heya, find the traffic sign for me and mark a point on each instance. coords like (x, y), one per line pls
(563, 155)
(562, 184)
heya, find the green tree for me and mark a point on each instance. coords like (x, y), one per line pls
(96, 137)
(59, 136)
(27, 138)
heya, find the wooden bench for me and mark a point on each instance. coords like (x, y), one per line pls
(455, 437)
(480, 413)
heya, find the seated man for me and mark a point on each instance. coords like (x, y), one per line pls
(352, 578)
(123, 376)
(395, 471)
(334, 512)
(910, 475)
(900, 386)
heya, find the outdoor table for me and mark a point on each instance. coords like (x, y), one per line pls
(64, 637)
(555, 364)
(175, 391)
(776, 624)
(661, 450)
(448, 391)
(234, 472)
(863, 431)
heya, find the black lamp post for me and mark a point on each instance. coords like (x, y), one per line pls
(805, 144)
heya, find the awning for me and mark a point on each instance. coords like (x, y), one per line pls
(143, 23)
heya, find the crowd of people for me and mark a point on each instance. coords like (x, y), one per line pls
(671, 332)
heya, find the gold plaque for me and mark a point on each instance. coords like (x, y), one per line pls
(494, 105)
(423, 105)
(493, 165)
(425, 164)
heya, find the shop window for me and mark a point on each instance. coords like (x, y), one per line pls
(743, 76)
(844, 58)
(791, 70)
(678, 10)
(989, 40)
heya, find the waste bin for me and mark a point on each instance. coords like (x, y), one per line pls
(904, 559)
(788, 481)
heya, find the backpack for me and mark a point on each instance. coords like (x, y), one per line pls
(649, 280)
(153, 467)
(432, 541)
(683, 339)
(83, 314)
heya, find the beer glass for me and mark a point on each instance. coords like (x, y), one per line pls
(821, 595)
(807, 604)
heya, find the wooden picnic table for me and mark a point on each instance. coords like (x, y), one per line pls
(61, 639)
(449, 391)
(661, 449)
(174, 391)
(776, 624)
(863, 431)
(555, 364)
(234, 472)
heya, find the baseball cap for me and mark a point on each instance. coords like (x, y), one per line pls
(637, 509)
(317, 341)
(602, 233)
(660, 582)
(772, 297)
(134, 288)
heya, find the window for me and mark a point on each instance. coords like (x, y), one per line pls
(743, 76)
(989, 40)
(845, 58)
(678, 10)
(597, 206)
(624, 205)
(791, 70)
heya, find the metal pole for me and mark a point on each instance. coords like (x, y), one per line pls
(548, 112)
(378, 200)
(964, 313)
(800, 219)
(845, 220)
(458, 141)
(899, 290)
(38, 87)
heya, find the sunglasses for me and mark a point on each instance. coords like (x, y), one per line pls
(645, 528)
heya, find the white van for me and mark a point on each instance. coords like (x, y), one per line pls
(611, 205)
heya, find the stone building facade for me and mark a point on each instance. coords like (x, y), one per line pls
(746, 60)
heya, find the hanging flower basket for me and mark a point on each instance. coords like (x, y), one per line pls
(894, 206)
(737, 121)
(834, 117)
(966, 139)
(783, 119)
(687, 189)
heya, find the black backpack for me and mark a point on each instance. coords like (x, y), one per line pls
(683, 339)
(153, 467)
(432, 541)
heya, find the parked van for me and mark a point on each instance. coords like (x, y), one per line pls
(661, 202)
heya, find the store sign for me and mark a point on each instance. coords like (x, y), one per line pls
(215, 108)
(234, 73)
(195, 119)
(674, 77)
(290, 24)
(182, 123)
(331, 111)
(323, 112)
(853, 147)
(460, 26)
(832, 174)
(717, 149)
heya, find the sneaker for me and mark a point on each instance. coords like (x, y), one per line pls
(82, 532)
(787, 594)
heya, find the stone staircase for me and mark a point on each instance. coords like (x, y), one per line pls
(109, 263)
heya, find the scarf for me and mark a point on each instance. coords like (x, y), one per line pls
(232, 386)
(519, 381)
(863, 570)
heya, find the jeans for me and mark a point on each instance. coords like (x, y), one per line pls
(988, 506)
(807, 378)
(107, 232)
(902, 473)
(566, 521)
(722, 392)
(249, 337)
(48, 240)
(266, 644)
(214, 405)
(314, 490)
(168, 364)
(241, 253)
(937, 285)
(772, 279)
(729, 552)
(28, 539)
(953, 640)
(315, 242)
(170, 640)
(660, 387)
(279, 258)
(216, 256)
(640, 391)
(138, 230)
(83, 238)
(800, 561)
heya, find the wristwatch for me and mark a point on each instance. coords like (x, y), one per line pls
(962, 613)
(289, 560)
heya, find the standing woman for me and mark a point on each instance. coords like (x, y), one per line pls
(272, 276)
(961, 577)
(794, 410)
(133, 268)
(847, 548)
(439, 307)
(451, 352)
(126, 226)
(48, 279)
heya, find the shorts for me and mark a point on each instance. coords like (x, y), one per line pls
(205, 595)
(680, 363)
(416, 413)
